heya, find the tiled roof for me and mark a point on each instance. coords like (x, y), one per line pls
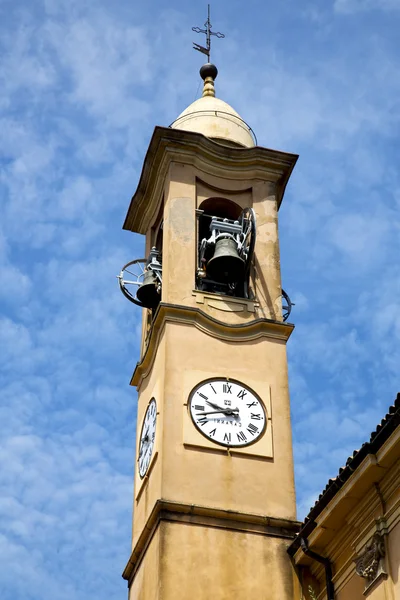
(376, 441)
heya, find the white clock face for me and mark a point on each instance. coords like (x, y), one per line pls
(147, 437)
(227, 412)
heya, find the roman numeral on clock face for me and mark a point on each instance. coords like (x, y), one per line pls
(227, 388)
(255, 416)
(251, 404)
(227, 437)
(242, 394)
(241, 436)
(252, 428)
(198, 407)
(203, 421)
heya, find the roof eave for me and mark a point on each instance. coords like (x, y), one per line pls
(381, 441)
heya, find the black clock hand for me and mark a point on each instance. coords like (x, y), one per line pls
(222, 408)
(212, 404)
(144, 443)
(228, 411)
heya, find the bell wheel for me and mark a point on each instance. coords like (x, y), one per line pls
(286, 306)
(131, 278)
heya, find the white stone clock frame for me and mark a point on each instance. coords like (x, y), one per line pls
(262, 448)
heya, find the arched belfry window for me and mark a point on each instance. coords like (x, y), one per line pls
(226, 239)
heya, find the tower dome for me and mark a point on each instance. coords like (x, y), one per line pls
(213, 117)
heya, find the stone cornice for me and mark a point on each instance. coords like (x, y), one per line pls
(187, 315)
(167, 145)
(166, 510)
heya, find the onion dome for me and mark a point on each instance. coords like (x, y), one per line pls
(213, 117)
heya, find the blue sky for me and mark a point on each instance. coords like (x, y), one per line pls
(83, 83)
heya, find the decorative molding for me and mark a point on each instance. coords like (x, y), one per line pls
(369, 565)
(186, 315)
(382, 576)
(225, 303)
(172, 145)
(381, 526)
(204, 516)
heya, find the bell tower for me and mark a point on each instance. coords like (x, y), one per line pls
(214, 500)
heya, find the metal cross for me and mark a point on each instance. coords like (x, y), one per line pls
(208, 33)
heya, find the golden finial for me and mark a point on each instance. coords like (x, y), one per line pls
(208, 73)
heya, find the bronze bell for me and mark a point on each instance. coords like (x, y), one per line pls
(226, 266)
(148, 293)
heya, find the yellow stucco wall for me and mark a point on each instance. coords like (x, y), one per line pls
(394, 559)
(199, 563)
(146, 583)
(352, 589)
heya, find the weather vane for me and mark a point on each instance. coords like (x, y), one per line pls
(208, 33)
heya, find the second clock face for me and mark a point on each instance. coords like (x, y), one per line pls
(227, 412)
(147, 437)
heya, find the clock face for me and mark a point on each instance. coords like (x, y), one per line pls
(227, 412)
(147, 437)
